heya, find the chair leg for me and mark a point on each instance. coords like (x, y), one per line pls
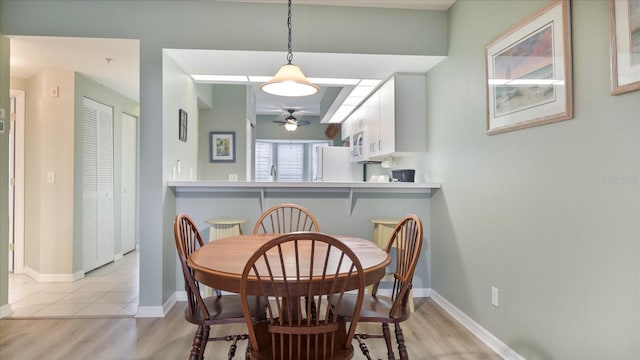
(234, 346)
(387, 339)
(205, 340)
(197, 344)
(402, 349)
(363, 346)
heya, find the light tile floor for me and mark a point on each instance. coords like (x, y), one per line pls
(111, 290)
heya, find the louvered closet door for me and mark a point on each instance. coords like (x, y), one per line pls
(97, 201)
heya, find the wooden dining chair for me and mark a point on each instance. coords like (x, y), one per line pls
(406, 239)
(285, 218)
(285, 272)
(212, 310)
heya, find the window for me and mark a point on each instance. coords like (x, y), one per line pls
(287, 160)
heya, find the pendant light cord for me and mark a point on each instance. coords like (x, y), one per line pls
(290, 53)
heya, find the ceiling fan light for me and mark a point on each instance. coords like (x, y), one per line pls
(289, 81)
(290, 126)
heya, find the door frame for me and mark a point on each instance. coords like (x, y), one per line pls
(17, 206)
(123, 180)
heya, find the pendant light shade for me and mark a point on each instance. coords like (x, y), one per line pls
(289, 80)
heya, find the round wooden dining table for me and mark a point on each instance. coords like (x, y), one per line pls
(220, 263)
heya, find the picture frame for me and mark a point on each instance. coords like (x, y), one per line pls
(529, 72)
(624, 40)
(182, 125)
(222, 146)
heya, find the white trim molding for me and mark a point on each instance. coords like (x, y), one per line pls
(476, 329)
(5, 310)
(47, 278)
(156, 311)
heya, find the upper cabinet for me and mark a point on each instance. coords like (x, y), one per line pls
(393, 118)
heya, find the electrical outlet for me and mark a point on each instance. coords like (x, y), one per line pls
(51, 177)
(495, 296)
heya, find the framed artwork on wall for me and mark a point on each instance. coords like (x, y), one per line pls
(624, 34)
(182, 125)
(528, 72)
(222, 146)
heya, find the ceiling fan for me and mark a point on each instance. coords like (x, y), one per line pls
(291, 123)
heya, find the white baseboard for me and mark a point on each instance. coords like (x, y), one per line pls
(157, 311)
(53, 277)
(476, 329)
(149, 312)
(117, 256)
(181, 296)
(5, 310)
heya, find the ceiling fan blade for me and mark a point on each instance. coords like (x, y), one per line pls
(302, 122)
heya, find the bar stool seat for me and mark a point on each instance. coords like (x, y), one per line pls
(222, 228)
(382, 231)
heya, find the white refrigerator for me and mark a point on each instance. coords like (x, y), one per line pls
(333, 164)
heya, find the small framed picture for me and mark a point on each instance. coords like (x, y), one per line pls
(182, 125)
(222, 146)
(528, 71)
(624, 34)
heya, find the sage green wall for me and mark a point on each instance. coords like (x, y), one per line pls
(179, 93)
(228, 113)
(180, 24)
(549, 215)
(4, 175)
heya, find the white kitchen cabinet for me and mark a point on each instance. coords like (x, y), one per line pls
(393, 118)
(371, 119)
(352, 124)
(403, 115)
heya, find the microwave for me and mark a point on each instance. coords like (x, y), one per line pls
(358, 143)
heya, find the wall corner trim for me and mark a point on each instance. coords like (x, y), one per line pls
(156, 311)
(5, 310)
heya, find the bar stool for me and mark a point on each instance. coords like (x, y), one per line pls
(221, 228)
(382, 231)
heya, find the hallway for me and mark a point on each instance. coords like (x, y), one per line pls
(111, 290)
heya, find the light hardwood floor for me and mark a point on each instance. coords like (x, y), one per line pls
(430, 334)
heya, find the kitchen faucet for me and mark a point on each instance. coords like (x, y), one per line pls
(273, 172)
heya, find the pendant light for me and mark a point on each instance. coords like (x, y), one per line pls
(289, 80)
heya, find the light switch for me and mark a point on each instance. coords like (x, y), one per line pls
(2, 113)
(51, 177)
(54, 91)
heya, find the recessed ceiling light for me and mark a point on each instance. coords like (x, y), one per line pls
(334, 81)
(220, 78)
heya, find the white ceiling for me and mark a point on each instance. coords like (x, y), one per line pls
(395, 4)
(89, 56)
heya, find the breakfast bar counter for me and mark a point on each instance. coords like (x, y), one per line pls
(265, 189)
